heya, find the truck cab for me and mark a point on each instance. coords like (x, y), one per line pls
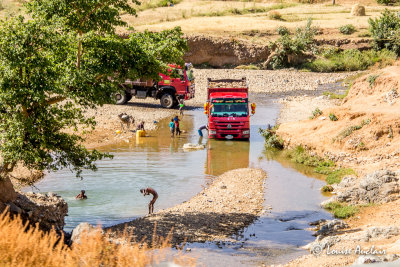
(228, 109)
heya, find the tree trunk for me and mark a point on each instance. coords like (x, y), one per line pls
(78, 57)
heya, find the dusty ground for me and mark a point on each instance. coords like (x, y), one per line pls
(230, 203)
(375, 101)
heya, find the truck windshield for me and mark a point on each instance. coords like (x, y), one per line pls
(233, 107)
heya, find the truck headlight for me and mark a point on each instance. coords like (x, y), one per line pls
(212, 132)
(246, 132)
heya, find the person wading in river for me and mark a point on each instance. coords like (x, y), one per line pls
(81, 195)
(149, 191)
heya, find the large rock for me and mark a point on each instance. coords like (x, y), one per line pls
(82, 228)
(377, 187)
(7, 192)
(358, 10)
(48, 210)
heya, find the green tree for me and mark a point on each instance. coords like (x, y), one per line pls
(66, 59)
(386, 31)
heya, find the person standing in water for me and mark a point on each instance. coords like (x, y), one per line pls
(172, 127)
(81, 195)
(177, 129)
(147, 192)
(181, 105)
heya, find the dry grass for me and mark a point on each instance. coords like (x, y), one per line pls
(20, 246)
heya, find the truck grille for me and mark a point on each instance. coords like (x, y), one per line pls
(229, 125)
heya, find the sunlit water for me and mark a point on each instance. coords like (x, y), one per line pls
(160, 162)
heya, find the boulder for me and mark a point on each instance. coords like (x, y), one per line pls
(7, 192)
(82, 228)
(358, 10)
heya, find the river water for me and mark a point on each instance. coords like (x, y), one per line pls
(292, 191)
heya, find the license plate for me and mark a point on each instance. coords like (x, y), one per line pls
(229, 137)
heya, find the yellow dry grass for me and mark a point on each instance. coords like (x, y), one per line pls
(21, 247)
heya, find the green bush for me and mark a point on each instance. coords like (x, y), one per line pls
(271, 139)
(347, 29)
(297, 46)
(333, 117)
(387, 2)
(282, 30)
(350, 60)
(275, 15)
(386, 31)
(371, 79)
(316, 113)
(341, 210)
(336, 176)
(327, 188)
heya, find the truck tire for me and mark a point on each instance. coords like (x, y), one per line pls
(121, 98)
(167, 100)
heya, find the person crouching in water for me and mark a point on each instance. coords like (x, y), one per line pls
(172, 127)
(81, 195)
(147, 192)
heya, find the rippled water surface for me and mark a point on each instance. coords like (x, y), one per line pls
(159, 161)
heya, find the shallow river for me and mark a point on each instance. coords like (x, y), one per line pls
(160, 162)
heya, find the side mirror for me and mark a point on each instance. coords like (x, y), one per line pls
(253, 108)
(206, 108)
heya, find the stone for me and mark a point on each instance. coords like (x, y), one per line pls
(358, 10)
(381, 232)
(80, 229)
(7, 192)
(331, 226)
(14, 208)
(191, 146)
(365, 259)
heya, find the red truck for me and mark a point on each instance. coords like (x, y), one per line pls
(177, 85)
(227, 108)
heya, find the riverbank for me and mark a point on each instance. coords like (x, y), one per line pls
(365, 137)
(233, 201)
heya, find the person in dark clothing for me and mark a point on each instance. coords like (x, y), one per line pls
(177, 129)
(147, 192)
(81, 195)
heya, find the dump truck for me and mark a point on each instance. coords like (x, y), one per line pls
(227, 108)
(173, 87)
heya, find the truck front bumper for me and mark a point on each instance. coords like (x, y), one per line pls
(229, 134)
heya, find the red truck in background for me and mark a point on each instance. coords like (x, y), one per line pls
(173, 87)
(227, 108)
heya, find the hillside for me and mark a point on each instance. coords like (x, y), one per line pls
(366, 135)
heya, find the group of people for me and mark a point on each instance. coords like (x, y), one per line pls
(174, 126)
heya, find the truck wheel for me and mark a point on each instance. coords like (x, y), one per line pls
(167, 101)
(121, 98)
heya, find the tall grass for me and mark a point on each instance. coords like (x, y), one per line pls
(20, 246)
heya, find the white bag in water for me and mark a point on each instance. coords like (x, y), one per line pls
(189, 146)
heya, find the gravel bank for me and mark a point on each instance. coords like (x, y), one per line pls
(230, 203)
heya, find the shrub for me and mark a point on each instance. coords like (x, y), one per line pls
(364, 34)
(247, 67)
(316, 113)
(336, 176)
(386, 31)
(282, 30)
(327, 188)
(275, 15)
(333, 117)
(347, 29)
(387, 2)
(371, 79)
(349, 60)
(286, 46)
(340, 210)
(271, 139)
